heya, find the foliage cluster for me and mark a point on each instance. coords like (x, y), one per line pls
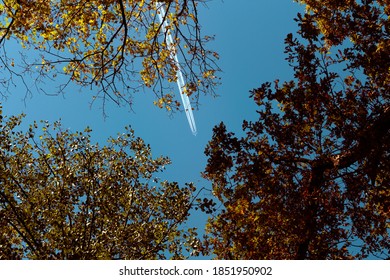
(310, 179)
(115, 47)
(62, 197)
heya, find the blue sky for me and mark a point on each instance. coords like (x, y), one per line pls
(249, 37)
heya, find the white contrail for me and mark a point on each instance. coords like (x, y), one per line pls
(180, 80)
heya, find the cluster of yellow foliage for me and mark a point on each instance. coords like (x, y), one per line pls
(103, 42)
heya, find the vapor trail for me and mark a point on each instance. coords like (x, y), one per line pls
(180, 80)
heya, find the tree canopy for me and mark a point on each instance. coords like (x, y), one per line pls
(62, 197)
(114, 47)
(310, 178)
